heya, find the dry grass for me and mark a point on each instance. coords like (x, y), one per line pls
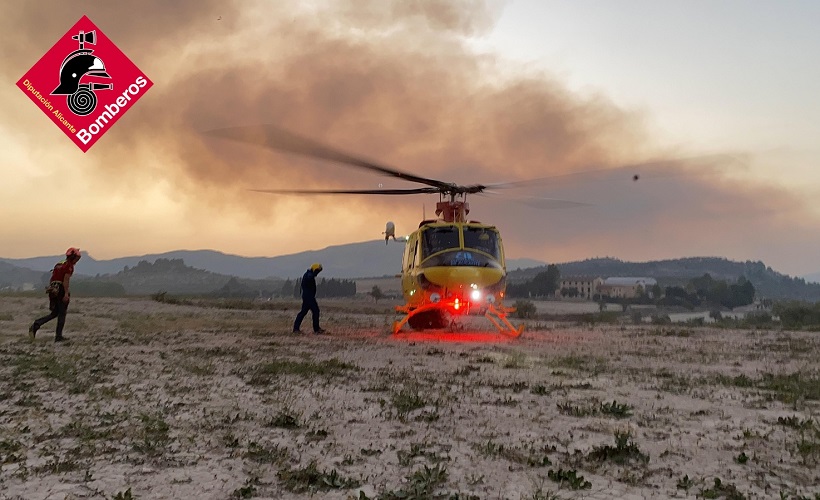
(159, 400)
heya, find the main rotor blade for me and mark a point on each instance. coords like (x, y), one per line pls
(537, 201)
(648, 169)
(273, 137)
(349, 191)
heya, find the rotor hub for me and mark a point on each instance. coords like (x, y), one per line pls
(453, 211)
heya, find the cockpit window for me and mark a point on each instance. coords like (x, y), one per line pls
(437, 239)
(482, 239)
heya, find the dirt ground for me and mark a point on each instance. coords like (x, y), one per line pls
(156, 400)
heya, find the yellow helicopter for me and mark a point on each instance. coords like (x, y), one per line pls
(451, 266)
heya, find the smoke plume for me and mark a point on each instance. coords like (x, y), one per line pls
(396, 82)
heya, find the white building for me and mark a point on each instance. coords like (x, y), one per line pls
(626, 287)
(585, 286)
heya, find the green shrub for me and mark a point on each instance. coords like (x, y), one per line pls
(524, 309)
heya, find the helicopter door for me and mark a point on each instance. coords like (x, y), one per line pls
(409, 263)
(416, 256)
(410, 253)
(405, 261)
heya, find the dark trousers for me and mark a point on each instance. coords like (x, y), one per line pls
(59, 309)
(312, 306)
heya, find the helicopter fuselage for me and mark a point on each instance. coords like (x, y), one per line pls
(458, 266)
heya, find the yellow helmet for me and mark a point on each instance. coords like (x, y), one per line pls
(315, 267)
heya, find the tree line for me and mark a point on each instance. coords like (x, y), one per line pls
(707, 291)
(701, 291)
(798, 315)
(544, 284)
(324, 288)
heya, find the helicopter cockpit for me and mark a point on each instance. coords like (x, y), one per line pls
(457, 245)
(439, 239)
(482, 239)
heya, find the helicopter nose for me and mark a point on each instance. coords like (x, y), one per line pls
(463, 276)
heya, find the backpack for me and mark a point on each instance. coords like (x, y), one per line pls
(53, 289)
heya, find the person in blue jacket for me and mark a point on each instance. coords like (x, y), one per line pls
(309, 300)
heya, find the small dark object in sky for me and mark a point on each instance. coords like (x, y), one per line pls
(219, 18)
(635, 177)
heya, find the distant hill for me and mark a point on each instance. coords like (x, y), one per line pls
(514, 264)
(15, 277)
(168, 275)
(767, 282)
(175, 277)
(354, 260)
(162, 275)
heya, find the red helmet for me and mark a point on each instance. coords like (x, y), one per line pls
(73, 252)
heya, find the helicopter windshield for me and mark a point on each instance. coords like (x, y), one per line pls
(482, 239)
(438, 239)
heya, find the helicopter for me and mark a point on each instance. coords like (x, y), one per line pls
(452, 265)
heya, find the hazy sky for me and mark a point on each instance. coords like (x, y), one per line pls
(464, 91)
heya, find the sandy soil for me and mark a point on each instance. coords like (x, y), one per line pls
(153, 401)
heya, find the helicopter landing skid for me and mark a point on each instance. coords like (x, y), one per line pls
(397, 325)
(500, 321)
(498, 317)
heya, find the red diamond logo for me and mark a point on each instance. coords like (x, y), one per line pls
(84, 83)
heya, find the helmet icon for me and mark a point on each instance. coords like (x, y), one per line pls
(80, 63)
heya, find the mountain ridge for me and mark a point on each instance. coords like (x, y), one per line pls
(352, 260)
(373, 259)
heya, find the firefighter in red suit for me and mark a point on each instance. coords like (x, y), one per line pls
(59, 294)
